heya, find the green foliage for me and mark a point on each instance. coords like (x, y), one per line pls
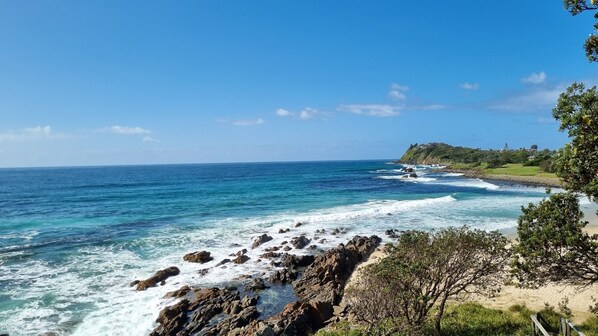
(577, 162)
(576, 7)
(552, 246)
(463, 157)
(472, 319)
(423, 270)
(590, 326)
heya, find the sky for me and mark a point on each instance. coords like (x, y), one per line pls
(153, 82)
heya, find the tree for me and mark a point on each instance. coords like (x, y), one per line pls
(576, 7)
(534, 147)
(425, 269)
(577, 162)
(552, 246)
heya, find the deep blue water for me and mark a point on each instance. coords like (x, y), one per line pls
(71, 239)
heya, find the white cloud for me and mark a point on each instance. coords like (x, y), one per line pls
(283, 113)
(535, 78)
(374, 110)
(397, 92)
(469, 86)
(31, 134)
(532, 100)
(307, 113)
(248, 122)
(148, 138)
(125, 130)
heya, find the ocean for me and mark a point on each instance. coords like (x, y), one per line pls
(72, 239)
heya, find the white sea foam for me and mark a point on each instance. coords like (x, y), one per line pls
(451, 174)
(471, 183)
(406, 178)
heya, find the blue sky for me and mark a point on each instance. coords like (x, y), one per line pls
(115, 82)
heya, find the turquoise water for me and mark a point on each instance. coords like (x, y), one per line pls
(72, 239)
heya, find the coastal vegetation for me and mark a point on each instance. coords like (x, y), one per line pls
(515, 160)
(421, 272)
(552, 245)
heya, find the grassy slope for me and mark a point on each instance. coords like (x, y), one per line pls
(515, 169)
(472, 319)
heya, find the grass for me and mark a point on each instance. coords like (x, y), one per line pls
(472, 319)
(516, 169)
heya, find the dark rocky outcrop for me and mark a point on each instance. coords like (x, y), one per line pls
(214, 311)
(198, 257)
(178, 293)
(156, 279)
(296, 319)
(324, 280)
(224, 261)
(394, 234)
(241, 259)
(256, 284)
(211, 311)
(260, 240)
(300, 242)
(284, 276)
(294, 261)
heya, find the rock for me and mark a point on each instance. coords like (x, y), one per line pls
(256, 285)
(299, 242)
(284, 276)
(296, 261)
(287, 248)
(407, 170)
(223, 261)
(260, 240)
(204, 271)
(392, 233)
(172, 319)
(413, 175)
(270, 255)
(284, 242)
(241, 259)
(298, 224)
(299, 318)
(178, 293)
(284, 230)
(157, 278)
(272, 249)
(324, 280)
(312, 247)
(198, 257)
(322, 241)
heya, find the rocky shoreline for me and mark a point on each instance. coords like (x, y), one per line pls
(318, 282)
(531, 181)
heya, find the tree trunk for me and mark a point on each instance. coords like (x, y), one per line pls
(438, 316)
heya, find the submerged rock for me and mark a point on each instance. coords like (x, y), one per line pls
(157, 278)
(256, 285)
